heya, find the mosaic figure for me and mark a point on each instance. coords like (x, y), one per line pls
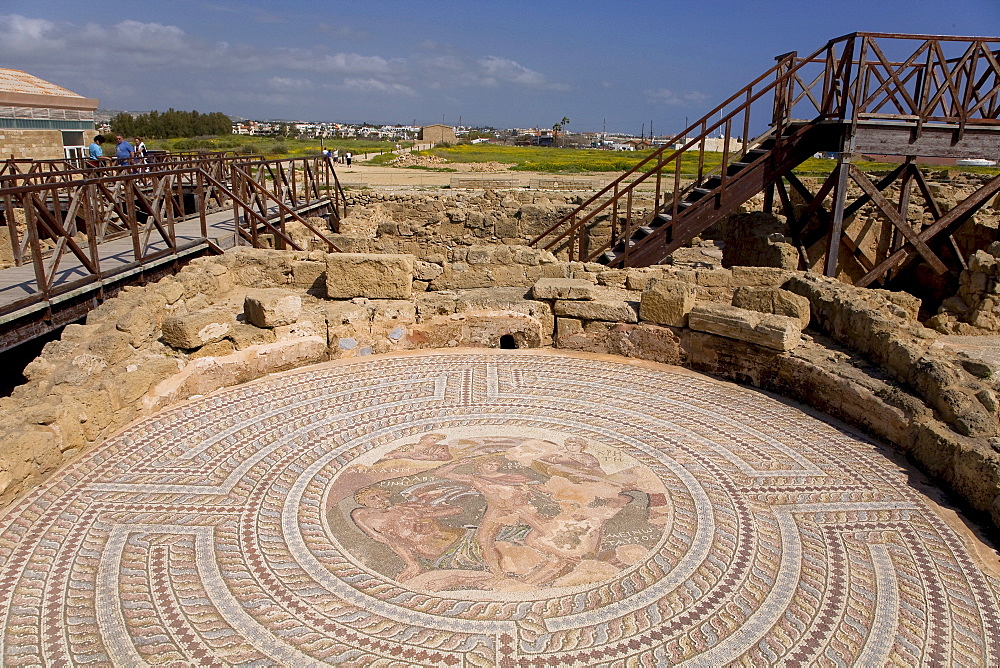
(503, 514)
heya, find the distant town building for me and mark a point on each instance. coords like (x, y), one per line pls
(437, 134)
(40, 120)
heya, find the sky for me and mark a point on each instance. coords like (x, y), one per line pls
(616, 65)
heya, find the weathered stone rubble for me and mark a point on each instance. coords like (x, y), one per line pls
(975, 309)
(227, 319)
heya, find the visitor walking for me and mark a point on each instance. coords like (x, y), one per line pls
(347, 157)
(123, 151)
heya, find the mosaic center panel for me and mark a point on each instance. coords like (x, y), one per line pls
(524, 508)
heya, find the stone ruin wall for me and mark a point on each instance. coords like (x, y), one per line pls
(228, 319)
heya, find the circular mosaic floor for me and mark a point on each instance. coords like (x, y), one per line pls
(485, 508)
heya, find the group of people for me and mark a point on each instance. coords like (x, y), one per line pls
(125, 153)
(334, 155)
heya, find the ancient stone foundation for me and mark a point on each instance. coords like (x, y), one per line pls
(858, 355)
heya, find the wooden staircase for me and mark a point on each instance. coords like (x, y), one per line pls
(905, 95)
(706, 202)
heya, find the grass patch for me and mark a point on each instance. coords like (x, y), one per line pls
(383, 160)
(273, 147)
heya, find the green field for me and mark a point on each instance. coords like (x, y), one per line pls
(566, 160)
(523, 158)
(272, 147)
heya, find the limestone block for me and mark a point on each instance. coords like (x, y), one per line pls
(773, 300)
(638, 279)
(311, 322)
(134, 378)
(310, 276)
(568, 327)
(77, 332)
(436, 303)
(759, 276)
(193, 330)
(648, 342)
(461, 276)
(344, 313)
(426, 271)
(272, 307)
(350, 275)
(667, 302)
(508, 299)
(112, 346)
(197, 282)
(609, 310)
(244, 336)
(476, 328)
(480, 255)
(217, 349)
(713, 278)
(563, 288)
(777, 332)
(509, 275)
(909, 303)
(614, 278)
(300, 235)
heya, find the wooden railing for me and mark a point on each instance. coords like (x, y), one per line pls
(265, 188)
(57, 221)
(861, 77)
(80, 215)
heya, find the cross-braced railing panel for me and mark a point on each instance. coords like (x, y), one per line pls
(267, 194)
(49, 223)
(928, 79)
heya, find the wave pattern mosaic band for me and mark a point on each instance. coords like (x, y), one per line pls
(484, 508)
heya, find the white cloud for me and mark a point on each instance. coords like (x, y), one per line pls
(669, 97)
(26, 35)
(148, 36)
(141, 65)
(289, 85)
(496, 70)
(376, 86)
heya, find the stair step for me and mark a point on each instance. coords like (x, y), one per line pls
(703, 191)
(661, 219)
(644, 230)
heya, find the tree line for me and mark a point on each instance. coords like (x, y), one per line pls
(171, 124)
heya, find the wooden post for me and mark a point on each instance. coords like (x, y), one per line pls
(837, 222)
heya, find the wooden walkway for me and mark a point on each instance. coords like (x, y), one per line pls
(116, 261)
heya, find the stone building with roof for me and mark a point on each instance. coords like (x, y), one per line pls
(40, 120)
